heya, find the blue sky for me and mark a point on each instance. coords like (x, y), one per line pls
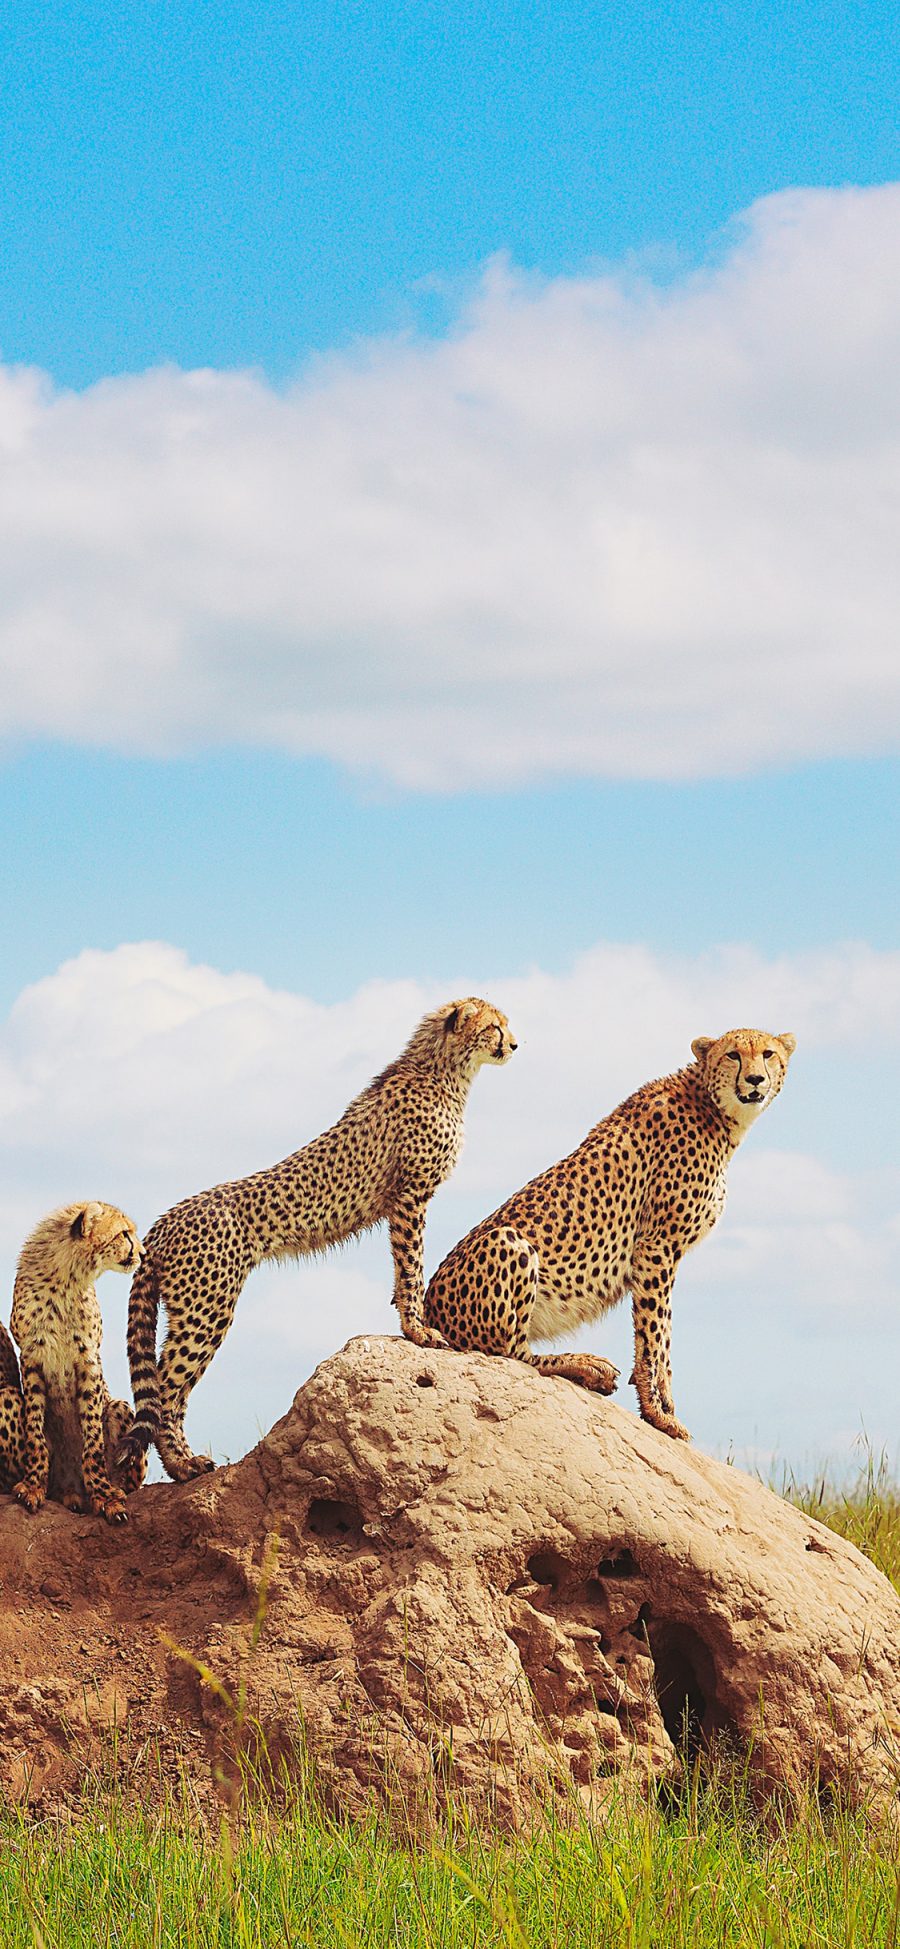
(449, 498)
(298, 872)
(239, 185)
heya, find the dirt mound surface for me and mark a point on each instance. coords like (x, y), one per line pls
(484, 1583)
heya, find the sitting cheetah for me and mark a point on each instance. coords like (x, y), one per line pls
(618, 1215)
(59, 1437)
(398, 1140)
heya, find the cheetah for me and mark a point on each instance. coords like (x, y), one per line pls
(397, 1141)
(616, 1216)
(59, 1427)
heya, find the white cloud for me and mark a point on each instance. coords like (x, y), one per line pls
(139, 1055)
(138, 1076)
(600, 527)
(829, 1238)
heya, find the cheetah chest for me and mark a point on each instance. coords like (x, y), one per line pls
(58, 1342)
(433, 1157)
(706, 1214)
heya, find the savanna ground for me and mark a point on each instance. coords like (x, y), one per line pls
(705, 1869)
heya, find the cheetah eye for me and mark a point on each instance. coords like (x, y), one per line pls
(734, 1055)
(768, 1054)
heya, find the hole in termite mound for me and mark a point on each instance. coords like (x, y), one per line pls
(546, 1567)
(639, 1628)
(338, 1520)
(623, 1564)
(684, 1679)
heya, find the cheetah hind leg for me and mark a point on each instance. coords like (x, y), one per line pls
(180, 1368)
(503, 1289)
(128, 1474)
(588, 1369)
(12, 1438)
(177, 1457)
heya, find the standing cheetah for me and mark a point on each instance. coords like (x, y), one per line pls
(616, 1216)
(398, 1140)
(59, 1429)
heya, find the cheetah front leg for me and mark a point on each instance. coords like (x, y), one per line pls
(652, 1278)
(407, 1227)
(12, 1437)
(91, 1396)
(31, 1491)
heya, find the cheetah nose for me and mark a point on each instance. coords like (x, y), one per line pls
(512, 1044)
(755, 1080)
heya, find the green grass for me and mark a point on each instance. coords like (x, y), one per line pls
(709, 1871)
(867, 1513)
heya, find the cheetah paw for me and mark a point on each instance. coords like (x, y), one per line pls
(599, 1375)
(188, 1468)
(668, 1425)
(110, 1505)
(30, 1497)
(424, 1336)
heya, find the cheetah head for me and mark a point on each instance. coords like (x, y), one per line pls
(744, 1070)
(474, 1033)
(105, 1239)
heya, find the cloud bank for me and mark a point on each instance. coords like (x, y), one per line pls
(139, 1076)
(602, 526)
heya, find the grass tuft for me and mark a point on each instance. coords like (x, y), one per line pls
(867, 1512)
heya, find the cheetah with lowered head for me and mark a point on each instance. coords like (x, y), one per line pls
(59, 1428)
(398, 1140)
(617, 1216)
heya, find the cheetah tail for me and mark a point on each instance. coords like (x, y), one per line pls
(143, 1312)
(9, 1366)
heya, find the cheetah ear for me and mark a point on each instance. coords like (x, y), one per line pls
(701, 1046)
(83, 1225)
(788, 1041)
(462, 1012)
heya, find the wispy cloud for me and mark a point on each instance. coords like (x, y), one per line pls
(600, 527)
